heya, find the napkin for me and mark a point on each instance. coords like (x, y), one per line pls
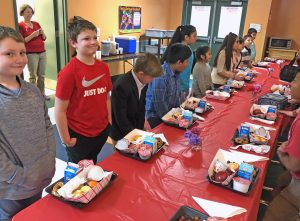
(219, 209)
(246, 157)
(162, 137)
(256, 126)
(262, 120)
(261, 149)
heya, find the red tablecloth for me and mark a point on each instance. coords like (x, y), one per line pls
(156, 189)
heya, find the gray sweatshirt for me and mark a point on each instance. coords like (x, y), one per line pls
(27, 144)
(201, 79)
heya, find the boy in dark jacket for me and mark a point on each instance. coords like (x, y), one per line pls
(128, 96)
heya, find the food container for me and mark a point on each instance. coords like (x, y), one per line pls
(145, 152)
(138, 139)
(241, 185)
(224, 157)
(196, 105)
(153, 49)
(188, 213)
(87, 197)
(218, 95)
(174, 119)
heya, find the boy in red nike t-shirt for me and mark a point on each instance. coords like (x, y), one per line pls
(82, 102)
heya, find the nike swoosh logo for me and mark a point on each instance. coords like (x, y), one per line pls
(86, 83)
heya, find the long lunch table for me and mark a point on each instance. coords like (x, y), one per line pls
(154, 190)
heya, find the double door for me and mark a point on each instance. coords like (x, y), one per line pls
(214, 19)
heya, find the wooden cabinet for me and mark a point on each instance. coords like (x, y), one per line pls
(281, 53)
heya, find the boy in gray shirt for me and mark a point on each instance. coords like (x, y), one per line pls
(27, 144)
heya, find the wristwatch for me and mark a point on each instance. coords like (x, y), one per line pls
(64, 145)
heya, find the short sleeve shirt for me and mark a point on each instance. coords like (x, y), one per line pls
(86, 87)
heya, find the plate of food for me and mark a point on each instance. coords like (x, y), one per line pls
(82, 189)
(268, 59)
(141, 145)
(196, 105)
(261, 64)
(218, 94)
(186, 213)
(239, 177)
(179, 118)
(245, 134)
(266, 112)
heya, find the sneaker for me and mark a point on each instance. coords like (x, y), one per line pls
(47, 98)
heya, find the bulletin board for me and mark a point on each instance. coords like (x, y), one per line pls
(129, 19)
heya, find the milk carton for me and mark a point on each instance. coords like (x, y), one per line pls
(70, 172)
(151, 141)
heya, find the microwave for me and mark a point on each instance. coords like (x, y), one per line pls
(282, 43)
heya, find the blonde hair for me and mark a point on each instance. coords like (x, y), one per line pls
(148, 64)
(23, 8)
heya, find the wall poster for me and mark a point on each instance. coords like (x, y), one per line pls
(129, 19)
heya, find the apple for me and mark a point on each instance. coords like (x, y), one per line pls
(221, 176)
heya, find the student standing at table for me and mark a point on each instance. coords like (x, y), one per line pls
(163, 92)
(202, 72)
(187, 35)
(286, 205)
(26, 134)
(253, 33)
(82, 102)
(246, 52)
(128, 96)
(223, 68)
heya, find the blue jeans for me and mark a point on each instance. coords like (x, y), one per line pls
(8, 208)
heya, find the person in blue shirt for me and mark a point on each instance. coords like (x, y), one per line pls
(253, 33)
(186, 34)
(163, 93)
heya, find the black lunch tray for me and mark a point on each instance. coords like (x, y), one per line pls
(230, 185)
(136, 155)
(209, 107)
(77, 204)
(236, 134)
(188, 212)
(177, 125)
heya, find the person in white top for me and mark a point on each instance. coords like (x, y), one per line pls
(223, 68)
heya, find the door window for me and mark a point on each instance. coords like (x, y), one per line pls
(230, 20)
(200, 17)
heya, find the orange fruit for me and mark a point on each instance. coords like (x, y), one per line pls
(92, 183)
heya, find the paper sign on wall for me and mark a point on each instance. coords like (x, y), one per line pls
(256, 26)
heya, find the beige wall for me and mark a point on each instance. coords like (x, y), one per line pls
(7, 13)
(104, 14)
(284, 21)
(258, 12)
